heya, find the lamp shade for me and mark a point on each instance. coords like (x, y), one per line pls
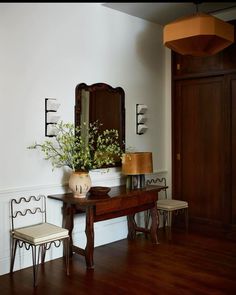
(198, 35)
(137, 163)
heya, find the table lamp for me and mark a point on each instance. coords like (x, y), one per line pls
(135, 165)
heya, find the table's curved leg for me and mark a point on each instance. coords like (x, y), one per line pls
(68, 222)
(131, 227)
(89, 230)
(154, 225)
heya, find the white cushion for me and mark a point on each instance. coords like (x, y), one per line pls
(40, 233)
(171, 204)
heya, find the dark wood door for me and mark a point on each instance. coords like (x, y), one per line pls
(202, 154)
(204, 138)
(232, 92)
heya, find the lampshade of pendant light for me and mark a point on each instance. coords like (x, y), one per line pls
(198, 35)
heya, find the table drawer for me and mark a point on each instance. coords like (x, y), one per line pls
(124, 203)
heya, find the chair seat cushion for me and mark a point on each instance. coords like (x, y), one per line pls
(171, 204)
(40, 233)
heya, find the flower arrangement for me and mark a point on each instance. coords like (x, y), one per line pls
(81, 148)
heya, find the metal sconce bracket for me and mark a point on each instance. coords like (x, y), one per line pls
(51, 107)
(141, 119)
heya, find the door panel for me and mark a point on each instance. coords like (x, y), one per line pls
(203, 112)
(233, 93)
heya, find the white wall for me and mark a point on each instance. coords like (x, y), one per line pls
(46, 50)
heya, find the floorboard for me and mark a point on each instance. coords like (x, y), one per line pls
(188, 264)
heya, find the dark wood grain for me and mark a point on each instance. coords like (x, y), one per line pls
(190, 264)
(204, 157)
(204, 137)
(233, 147)
(120, 201)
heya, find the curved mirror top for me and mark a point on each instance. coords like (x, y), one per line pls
(103, 103)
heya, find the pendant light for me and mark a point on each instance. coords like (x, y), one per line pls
(198, 35)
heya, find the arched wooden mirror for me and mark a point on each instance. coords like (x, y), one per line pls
(104, 103)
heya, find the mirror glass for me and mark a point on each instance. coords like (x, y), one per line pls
(101, 102)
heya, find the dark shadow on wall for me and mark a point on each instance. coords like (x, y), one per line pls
(150, 48)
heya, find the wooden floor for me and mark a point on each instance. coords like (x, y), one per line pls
(189, 264)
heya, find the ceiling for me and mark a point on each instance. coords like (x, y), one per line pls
(165, 12)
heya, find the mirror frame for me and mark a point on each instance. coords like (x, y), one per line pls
(96, 87)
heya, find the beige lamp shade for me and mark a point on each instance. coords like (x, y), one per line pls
(198, 35)
(137, 163)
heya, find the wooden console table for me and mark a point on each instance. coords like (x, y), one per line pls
(119, 202)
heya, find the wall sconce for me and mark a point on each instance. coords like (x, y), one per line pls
(51, 119)
(141, 118)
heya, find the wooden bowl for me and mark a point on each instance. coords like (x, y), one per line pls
(99, 190)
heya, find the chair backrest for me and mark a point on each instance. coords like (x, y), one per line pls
(158, 181)
(28, 211)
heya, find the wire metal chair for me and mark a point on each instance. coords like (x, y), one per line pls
(39, 235)
(167, 207)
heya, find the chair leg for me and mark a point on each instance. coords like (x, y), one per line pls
(44, 246)
(164, 220)
(36, 262)
(169, 223)
(67, 254)
(13, 253)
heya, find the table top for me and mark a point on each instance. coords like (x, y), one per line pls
(116, 192)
